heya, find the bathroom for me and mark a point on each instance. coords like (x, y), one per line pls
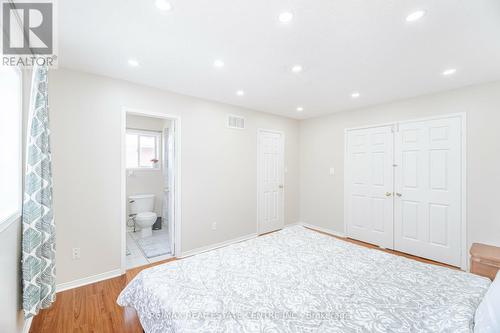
(148, 154)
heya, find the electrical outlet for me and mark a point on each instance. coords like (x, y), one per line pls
(76, 253)
(214, 226)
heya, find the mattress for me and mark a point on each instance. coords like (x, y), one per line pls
(298, 280)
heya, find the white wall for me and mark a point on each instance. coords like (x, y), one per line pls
(322, 147)
(146, 123)
(147, 181)
(218, 168)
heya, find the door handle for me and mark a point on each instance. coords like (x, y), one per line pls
(280, 186)
(388, 194)
(399, 195)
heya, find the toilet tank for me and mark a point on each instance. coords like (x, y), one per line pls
(141, 203)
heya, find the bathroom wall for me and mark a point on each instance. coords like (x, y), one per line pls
(219, 168)
(147, 181)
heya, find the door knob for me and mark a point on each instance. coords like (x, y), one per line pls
(281, 186)
(388, 194)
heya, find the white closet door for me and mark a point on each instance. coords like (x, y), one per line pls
(270, 181)
(369, 185)
(428, 189)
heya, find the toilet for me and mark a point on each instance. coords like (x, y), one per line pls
(142, 205)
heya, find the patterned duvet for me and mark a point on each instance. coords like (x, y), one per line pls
(298, 280)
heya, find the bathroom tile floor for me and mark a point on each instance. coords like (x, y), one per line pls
(136, 257)
(144, 251)
(156, 245)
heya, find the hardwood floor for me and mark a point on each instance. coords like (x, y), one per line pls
(93, 308)
(371, 246)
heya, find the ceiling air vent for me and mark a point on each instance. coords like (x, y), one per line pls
(236, 122)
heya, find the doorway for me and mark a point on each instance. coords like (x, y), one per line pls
(405, 187)
(150, 185)
(270, 180)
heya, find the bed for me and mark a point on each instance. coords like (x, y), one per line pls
(299, 280)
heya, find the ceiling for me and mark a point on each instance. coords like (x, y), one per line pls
(344, 46)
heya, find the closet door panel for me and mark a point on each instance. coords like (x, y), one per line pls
(427, 219)
(369, 185)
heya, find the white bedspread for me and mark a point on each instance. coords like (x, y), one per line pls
(298, 280)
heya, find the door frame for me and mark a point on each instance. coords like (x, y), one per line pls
(282, 207)
(176, 192)
(464, 253)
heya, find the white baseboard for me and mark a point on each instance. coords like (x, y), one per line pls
(117, 272)
(216, 246)
(325, 230)
(27, 325)
(88, 280)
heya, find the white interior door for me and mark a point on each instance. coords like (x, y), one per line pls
(166, 185)
(270, 172)
(428, 187)
(169, 190)
(369, 185)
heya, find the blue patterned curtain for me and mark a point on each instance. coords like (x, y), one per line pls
(38, 238)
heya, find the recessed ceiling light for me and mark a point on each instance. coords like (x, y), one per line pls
(355, 94)
(285, 17)
(300, 109)
(240, 93)
(218, 63)
(450, 71)
(297, 69)
(415, 16)
(133, 62)
(163, 5)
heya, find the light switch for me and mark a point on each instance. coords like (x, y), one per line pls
(332, 171)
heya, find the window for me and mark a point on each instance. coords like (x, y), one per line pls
(143, 149)
(10, 145)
